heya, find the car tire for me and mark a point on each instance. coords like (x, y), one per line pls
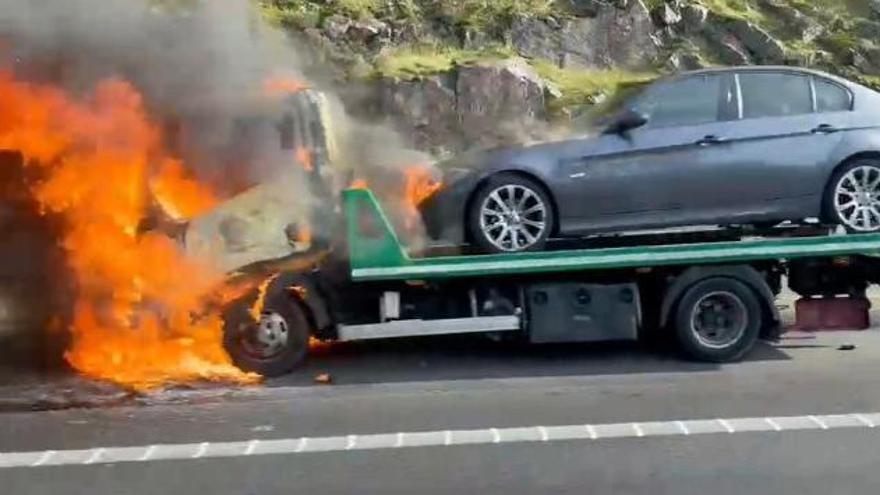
(242, 337)
(718, 320)
(521, 223)
(835, 198)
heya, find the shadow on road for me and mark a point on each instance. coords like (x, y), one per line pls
(475, 357)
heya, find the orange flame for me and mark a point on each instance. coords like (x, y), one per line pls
(256, 309)
(359, 184)
(419, 185)
(136, 293)
(280, 86)
(304, 236)
(179, 195)
(304, 158)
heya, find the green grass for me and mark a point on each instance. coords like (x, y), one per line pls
(735, 9)
(299, 17)
(414, 62)
(872, 82)
(310, 13)
(489, 14)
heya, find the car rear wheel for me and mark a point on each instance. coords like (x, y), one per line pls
(853, 196)
(510, 213)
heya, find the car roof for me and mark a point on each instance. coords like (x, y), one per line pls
(759, 68)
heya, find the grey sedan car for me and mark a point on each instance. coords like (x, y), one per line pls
(731, 146)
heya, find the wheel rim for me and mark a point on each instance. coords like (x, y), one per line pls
(268, 338)
(513, 218)
(857, 198)
(719, 319)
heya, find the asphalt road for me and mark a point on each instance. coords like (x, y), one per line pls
(474, 417)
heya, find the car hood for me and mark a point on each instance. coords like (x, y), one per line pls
(538, 159)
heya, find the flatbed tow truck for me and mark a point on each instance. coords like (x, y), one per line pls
(713, 299)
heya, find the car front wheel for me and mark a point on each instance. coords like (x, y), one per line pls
(275, 343)
(853, 196)
(510, 213)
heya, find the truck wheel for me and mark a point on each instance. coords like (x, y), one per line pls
(272, 346)
(718, 320)
(510, 213)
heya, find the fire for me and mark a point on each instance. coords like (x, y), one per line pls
(280, 86)
(359, 184)
(419, 185)
(304, 236)
(179, 195)
(304, 158)
(256, 309)
(102, 165)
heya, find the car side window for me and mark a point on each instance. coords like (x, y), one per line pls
(690, 101)
(774, 94)
(831, 97)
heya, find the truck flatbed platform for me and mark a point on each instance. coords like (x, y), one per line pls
(379, 254)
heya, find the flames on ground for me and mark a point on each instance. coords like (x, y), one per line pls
(103, 169)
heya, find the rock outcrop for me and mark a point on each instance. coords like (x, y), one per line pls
(609, 37)
(480, 104)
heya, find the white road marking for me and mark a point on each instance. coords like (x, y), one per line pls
(682, 428)
(43, 458)
(95, 456)
(818, 421)
(203, 447)
(638, 429)
(542, 433)
(252, 445)
(301, 445)
(591, 430)
(865, 421)
(773, 424)
(496, 437)
(493, 435)
(148, 452)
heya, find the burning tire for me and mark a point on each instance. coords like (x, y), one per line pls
(274, 344)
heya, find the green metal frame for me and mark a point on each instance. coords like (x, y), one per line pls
(379, 255)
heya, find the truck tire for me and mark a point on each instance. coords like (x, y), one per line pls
(718, 320)
(277, 343)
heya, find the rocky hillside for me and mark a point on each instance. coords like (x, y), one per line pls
(457, 73)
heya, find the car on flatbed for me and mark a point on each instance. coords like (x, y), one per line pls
(730, 146)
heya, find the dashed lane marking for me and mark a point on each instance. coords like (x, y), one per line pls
(682, 427)
(258, 447)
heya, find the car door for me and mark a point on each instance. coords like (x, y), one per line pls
(776, 149)
(653, 176)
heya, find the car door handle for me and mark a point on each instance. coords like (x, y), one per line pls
(710, 140)
(824, 129)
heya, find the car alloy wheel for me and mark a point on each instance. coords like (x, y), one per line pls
(857, 198)
(513, 217)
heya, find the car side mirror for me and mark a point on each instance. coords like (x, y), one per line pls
(625, 121)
